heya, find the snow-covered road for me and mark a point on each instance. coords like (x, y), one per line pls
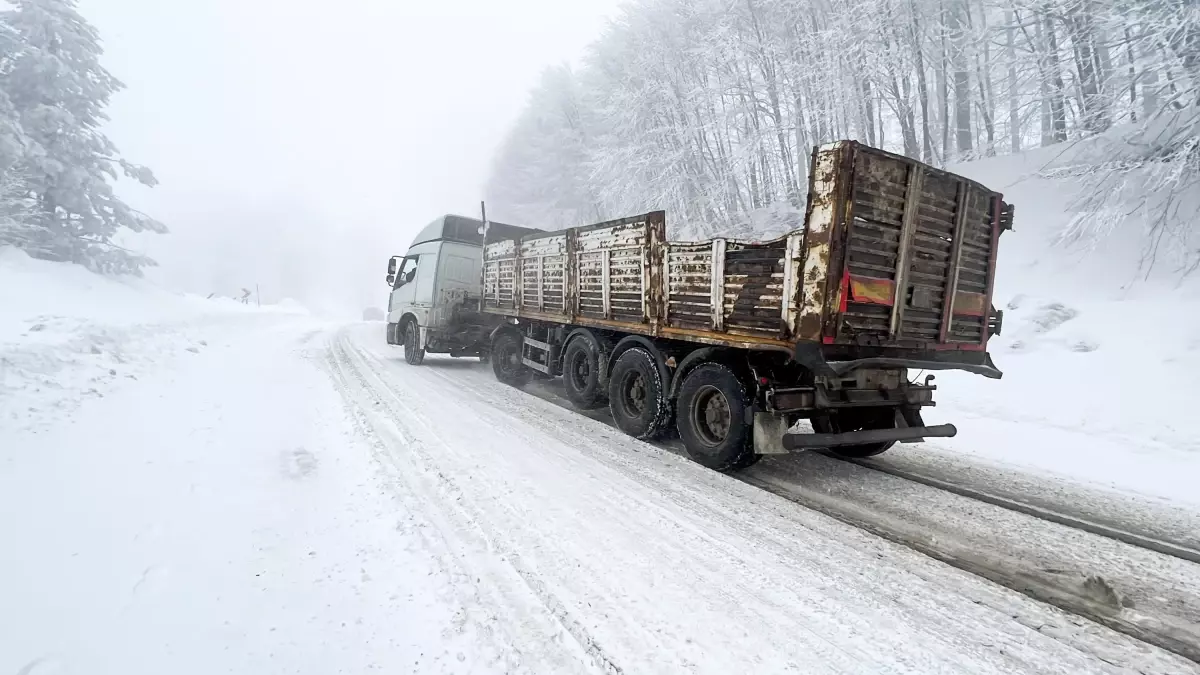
(652, 564)
(295, 498)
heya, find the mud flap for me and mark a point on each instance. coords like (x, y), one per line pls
(768, 433)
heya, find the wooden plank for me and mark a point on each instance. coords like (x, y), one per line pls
(990, 282)
(605, 284)
(541, 287)
(952, 270)
(907, 227)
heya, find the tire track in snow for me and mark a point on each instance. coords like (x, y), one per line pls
(706, 495)
(1085, 596)
(1168, 625)
(349, 366)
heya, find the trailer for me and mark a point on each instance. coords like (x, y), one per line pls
(732, 343)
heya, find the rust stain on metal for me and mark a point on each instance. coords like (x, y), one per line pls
(655, 306)
(823, 207)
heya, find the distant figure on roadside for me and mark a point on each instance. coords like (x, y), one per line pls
(245, 296)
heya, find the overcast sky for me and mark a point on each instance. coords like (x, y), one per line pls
(300, 143)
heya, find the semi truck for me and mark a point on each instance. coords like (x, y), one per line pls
(731, 344)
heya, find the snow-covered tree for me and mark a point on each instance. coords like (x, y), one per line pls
(53, 93)
(544, 164)
(710, 108)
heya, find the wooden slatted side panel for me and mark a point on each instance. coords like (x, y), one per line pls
(508, 284)
(491, 284)
(626, 283)
(543, 265)
(689, 286)
(873, 248)
(910, 279)
(970, 308)
(930, 258)
(753, 288)
(590, 278)
(529, 284)
(611, 271)
(499, 276)
(916, 284)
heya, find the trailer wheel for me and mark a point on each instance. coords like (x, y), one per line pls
(413, 353)
(857, 419)
(581, 375)
(506, 360)
(637, 395)
(711, 417)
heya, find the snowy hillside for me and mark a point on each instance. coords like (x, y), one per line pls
(68, 335)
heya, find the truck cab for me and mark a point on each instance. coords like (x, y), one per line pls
(434, 297)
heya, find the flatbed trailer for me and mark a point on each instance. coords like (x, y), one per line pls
(732, 342)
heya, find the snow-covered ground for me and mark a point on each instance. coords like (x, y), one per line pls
(68, 336)
(182, 491)
(234, 512)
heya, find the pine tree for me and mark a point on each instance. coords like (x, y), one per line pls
(57, 92)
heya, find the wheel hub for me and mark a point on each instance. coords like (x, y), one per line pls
(581, 370)
(635, 394)
(711, 416)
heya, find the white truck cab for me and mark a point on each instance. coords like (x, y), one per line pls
(436, 290)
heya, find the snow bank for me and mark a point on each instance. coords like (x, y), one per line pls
(1098, 352)
(67, 334)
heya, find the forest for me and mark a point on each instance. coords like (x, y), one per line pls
(710, 109)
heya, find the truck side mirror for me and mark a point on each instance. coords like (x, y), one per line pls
(392, 266)
(391, 279)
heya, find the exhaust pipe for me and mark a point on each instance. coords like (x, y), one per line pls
(793, 441)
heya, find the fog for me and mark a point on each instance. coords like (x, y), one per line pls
(300, 143)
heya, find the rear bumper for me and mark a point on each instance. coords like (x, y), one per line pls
(838, 360)
(794, 441)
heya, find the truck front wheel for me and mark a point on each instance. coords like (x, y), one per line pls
(414, 354)
(857, 419)
(506, 360)
(710, 417)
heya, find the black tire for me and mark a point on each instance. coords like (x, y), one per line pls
(857, 419)
(711, 419)
(748, 459)
(506, 360)
(413, 354)
(581, 375)
(637, 395)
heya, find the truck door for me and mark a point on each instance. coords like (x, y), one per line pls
(405, 288)
(425, 280)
